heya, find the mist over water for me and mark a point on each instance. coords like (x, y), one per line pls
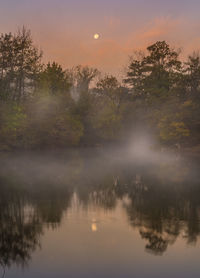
(50, 165)
(140, 154)
(134, 200)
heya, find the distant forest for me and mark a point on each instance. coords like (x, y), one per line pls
(46, 106)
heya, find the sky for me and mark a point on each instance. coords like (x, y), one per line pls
(64, 29)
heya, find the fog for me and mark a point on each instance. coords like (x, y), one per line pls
(153, 192)
(140, 156)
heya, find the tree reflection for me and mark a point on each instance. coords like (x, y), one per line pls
(163, 211)
(160, 208)
(50, 204)
(20, 229)
(101, 194)
(23, 214)
(156, 243)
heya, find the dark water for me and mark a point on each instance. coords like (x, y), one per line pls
(95, 213)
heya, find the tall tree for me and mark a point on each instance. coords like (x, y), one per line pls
(27, 62)
(6, 65)
(54, 80)
(20, 63)
(154, 74)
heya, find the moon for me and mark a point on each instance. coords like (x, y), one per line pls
(96, 36)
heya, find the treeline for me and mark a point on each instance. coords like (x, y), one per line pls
(46, 106)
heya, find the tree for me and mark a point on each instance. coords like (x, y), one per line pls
(107, 109)
(6, 65)
(54, 80)
(153, 76)
(136, 74)
(28, 60)
(192, 76)
(83, 76)
(110, 88)
(20, 64)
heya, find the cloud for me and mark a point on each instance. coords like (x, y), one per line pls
(110, 53)
(160, 27)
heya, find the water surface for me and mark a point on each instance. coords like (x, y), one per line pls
(99, 213)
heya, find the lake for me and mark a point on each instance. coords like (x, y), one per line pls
(99, 213)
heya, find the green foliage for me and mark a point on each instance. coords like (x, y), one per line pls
(13, 122)
(53, 80)
(153, 76)
(107, 122)
(169, 91)
(52, 124)
(46, 106)
(109, 87)
(171, 131)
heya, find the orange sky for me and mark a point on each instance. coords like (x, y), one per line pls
(64, 29)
